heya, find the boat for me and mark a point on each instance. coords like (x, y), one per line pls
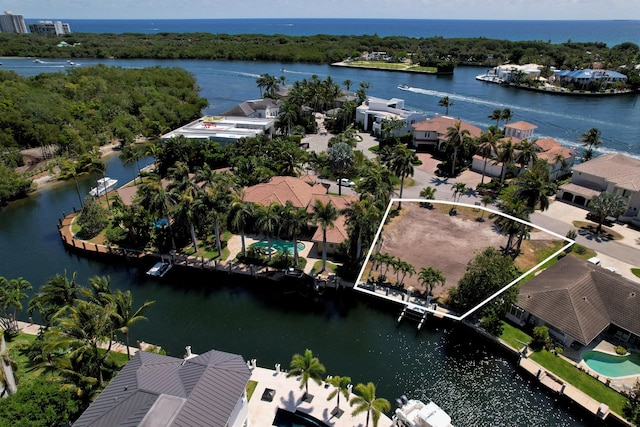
(159, 269)
(416, 413)
(490, 78)
(38, 61)
(403, 87)
(104, 185)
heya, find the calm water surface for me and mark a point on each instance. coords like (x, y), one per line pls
(475, 383)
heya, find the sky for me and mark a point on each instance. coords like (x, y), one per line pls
(400, 9)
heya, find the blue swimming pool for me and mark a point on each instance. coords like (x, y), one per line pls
(298, 419)
(612, 366)
(278, 245)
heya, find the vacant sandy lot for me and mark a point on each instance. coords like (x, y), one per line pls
(431, 238)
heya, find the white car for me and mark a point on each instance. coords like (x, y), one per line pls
(346, 182)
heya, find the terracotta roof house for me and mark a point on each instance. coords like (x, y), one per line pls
(560, 159)
(157, 390)
(433, 132)
(578, 301)
(519, 130)
(303, 192)
(374, 111)
(614, 173)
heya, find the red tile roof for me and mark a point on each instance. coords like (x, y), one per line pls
(441, 125)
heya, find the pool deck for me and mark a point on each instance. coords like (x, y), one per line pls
(288, 396)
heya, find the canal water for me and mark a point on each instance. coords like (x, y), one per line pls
(352, 335)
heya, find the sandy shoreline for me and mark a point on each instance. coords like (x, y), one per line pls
(49, 179)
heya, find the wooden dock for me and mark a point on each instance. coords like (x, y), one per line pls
(558, 386)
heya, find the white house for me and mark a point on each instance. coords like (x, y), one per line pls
(256, 108)
(224, 129)
(374, 111)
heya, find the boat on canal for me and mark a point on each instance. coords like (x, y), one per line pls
(159, 269)
(416, 413)
(104, 185)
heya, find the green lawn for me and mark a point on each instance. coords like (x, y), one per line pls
(251, 387)
(330, 266)
(567, 371)
(572, 375)
(514, 336)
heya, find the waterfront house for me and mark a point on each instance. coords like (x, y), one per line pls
(303, 192)
(578, 301)
(224, 129)
(371, 114)
(614, 173)
(559, 159)
(256, 108)
(157, 390)
(432, 133)
(586, 77)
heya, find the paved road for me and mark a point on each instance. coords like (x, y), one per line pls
(622, 255)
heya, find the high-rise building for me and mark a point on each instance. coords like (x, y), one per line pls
(50, 28)
(10, 23)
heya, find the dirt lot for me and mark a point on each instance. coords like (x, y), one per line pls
(431, 238)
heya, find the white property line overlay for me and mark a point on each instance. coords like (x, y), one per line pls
(446, 202)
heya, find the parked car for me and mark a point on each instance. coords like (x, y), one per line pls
(345, 182)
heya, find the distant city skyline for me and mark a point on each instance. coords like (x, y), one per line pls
(394, 9)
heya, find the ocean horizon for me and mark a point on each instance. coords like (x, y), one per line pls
(611, 32)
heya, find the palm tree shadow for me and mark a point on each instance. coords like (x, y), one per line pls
(290, 402)
(439, 181)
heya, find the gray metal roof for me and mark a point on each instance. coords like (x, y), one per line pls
(161, 390)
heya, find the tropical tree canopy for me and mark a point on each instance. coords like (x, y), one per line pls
(308, 367)
(606, 204)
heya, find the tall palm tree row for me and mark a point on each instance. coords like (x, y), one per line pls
(325, 215)
(309, 368)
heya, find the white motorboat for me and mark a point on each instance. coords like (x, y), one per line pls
(159, 269)
(416, 413)
(104, 185)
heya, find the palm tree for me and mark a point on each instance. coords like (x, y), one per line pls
(361, 219)
(506, 156)
(486, 200)
(527, 153)
(125, 314)
(459, 188)
(184, 193)
(506, 115)
(341, 159)
(131, 155)
(427, 193)
(496, 115)
(308, 368)
(152, 196)
(56, 295)
(401, 164)
(367, 402)
(534, 186)
(325, 215)
(606, 204)
(445, 102)
(487, 147)
(69, 169)
(347, 83)
(341, 385)
(293, 220)
(430, 277)
(265, 81)
(239, 215)
(591, 141)
(457, 138)
(12, 292)
(518, 209)
(268, 221)
(77, 335)
(154, 150)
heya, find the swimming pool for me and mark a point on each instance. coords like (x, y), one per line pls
(278, 245)
(612, 366)
(298, 419)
